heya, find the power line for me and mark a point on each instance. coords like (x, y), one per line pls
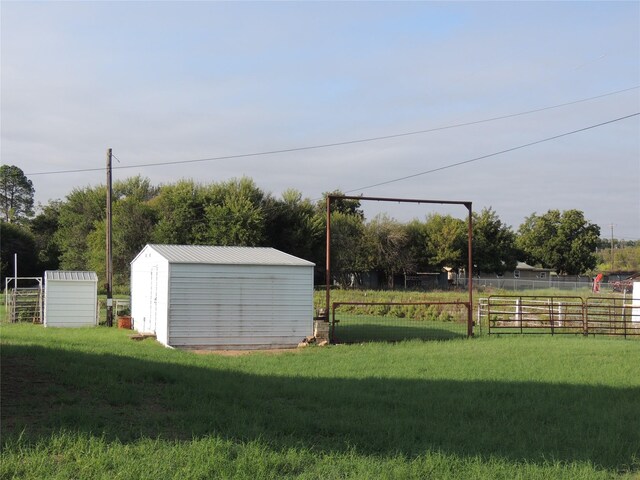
(337, 144)
(492, 154)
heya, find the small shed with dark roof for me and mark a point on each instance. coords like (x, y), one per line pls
(214, 297)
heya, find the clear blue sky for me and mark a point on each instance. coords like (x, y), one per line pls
(170, 81)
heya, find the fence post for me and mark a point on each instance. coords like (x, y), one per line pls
(560, 322)
(332, 336)
(519, 312)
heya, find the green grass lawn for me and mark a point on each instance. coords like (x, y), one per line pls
(372, 328)
(91, 403)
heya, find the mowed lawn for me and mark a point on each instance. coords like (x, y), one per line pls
(372, 328)
(91, 403)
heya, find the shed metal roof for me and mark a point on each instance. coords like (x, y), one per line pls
(68, 275)
(212, 255)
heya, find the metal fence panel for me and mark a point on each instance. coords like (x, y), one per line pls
(520, 314)
(610, 316)
(533, 314)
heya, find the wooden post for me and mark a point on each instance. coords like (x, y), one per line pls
(328, 261)
(612, 247)
(109, 269)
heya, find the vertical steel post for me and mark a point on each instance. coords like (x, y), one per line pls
(109, 265)
(328, 261)
(470, 275)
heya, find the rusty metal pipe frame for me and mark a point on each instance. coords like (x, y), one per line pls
(467, 204)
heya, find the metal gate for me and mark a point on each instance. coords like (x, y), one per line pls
(611, 316)
(23, 303)
(557, 315)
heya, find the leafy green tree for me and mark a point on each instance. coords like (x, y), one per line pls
(387, 244)
(132, 221)
(81, 235)
(17, 239)
(494, 244)
(416, 245)
(349, 255)
(446, 241)
(234, 215)
(564, 241)
(80, 213)
(294, 226)
(138, 187)
(342, 205)
(16, 194)
(179, 209)
(44, 227)
(626, 255)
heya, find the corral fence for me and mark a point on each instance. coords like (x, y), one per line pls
(583, 285)
(23, 299)
(358, 322)
(558, 315)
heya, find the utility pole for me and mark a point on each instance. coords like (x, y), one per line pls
(109, 269)
(612, 247)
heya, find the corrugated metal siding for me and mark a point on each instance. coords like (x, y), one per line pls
(67, 275)
(70, 303)
(240, 305)
(216, 255)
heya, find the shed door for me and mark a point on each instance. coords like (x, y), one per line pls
(150, 323)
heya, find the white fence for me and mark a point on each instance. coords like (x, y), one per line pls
(526, 314)
(518, 284)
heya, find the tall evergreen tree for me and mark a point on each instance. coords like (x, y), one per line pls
(16, 194)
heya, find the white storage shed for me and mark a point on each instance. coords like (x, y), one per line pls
(635, 310)
(70, 298)
(210, 297)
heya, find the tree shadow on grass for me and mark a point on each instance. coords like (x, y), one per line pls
(46, 390)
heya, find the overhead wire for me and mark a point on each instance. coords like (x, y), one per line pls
(337, 144)
(519, 147)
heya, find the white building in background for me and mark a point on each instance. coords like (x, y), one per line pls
(635, 310)
(198, 296)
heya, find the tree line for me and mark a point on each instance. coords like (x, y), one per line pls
(70, 233)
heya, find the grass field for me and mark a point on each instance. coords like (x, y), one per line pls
(91, 403)
(372, 328)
